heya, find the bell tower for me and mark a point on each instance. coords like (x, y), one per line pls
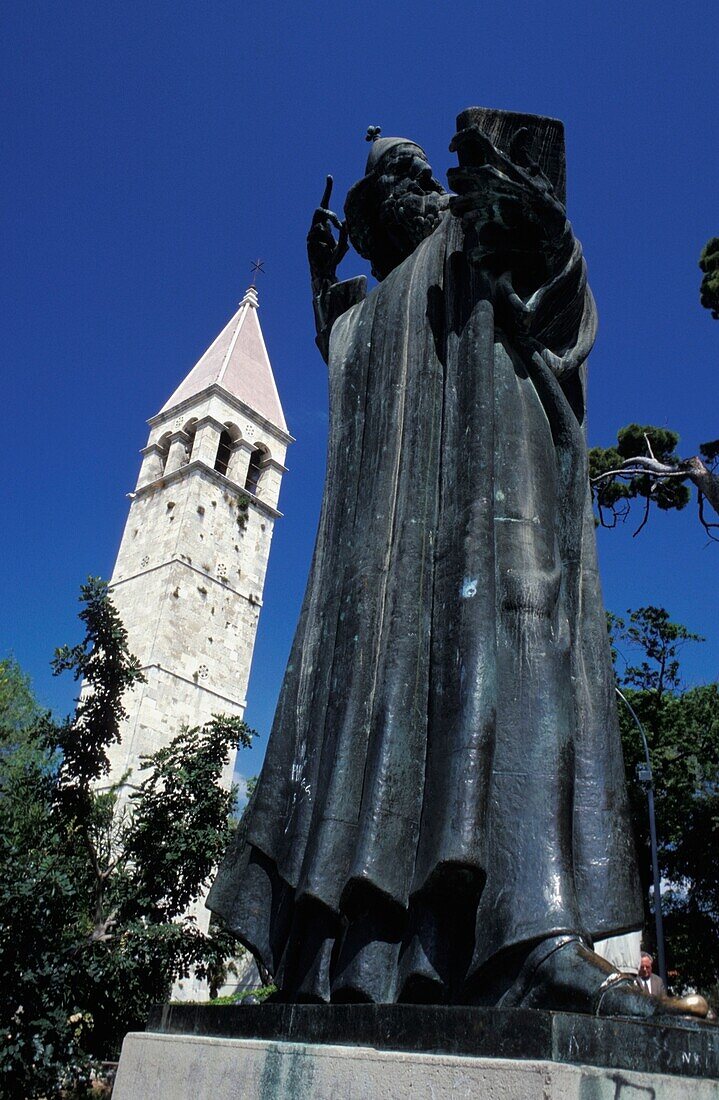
(190, 571)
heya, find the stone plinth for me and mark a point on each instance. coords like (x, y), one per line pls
(175, 1067)
(265, 1052)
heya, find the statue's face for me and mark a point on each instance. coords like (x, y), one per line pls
(408, 169)
(408, 201)
(406, 207)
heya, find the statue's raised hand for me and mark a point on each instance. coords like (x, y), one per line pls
(323, 250)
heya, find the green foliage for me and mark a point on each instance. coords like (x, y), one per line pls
(613, 495)
(658, 640)
(632, 440)
(709, 264)
(257, 996)
(710, 452)
(94, 892)
(40, 1016)
(19, 709)
(106, 668)
(181, 801)
(609, 492)
(682, 728)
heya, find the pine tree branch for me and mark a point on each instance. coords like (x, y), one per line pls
(641, 465)
(645, 517)
(690, 469)
(706, 524)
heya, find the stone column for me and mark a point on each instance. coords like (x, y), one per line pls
(153, 464)
(177, 456)
(207, 438)
(239, 462)
(270, 481)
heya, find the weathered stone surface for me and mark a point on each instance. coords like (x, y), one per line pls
(170, 1067)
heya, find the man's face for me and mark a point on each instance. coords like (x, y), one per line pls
(645, 967)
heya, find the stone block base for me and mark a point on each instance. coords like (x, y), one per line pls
(190, 1067)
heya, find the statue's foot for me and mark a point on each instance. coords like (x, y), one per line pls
(563, 974)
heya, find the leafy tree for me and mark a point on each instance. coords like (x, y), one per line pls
(659, 641)
(94, 886)
(40, 1018)
(19, 709)
(107, 670)
(709, 264)
(682, 728)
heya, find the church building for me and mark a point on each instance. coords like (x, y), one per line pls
(190, 571)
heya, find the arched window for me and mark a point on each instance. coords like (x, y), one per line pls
(257, 459)
(224, 450)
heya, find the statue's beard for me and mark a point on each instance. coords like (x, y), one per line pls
(407, 215)
(390, 213)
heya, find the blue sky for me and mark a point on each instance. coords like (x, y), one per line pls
(152, 150)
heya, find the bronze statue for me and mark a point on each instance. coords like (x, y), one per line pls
(442, 816)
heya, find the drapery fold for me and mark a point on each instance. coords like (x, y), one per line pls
(444, 767)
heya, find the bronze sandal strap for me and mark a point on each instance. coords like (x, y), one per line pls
(614, 979)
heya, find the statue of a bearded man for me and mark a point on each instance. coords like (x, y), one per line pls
(442, 815)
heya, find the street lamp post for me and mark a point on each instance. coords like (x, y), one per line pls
(644, 775)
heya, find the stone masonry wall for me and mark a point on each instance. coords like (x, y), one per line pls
(188, 585)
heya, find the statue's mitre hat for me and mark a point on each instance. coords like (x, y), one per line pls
(383, 145)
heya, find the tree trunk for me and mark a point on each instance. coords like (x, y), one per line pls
(705, 480)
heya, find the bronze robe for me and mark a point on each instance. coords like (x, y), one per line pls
(444, 777)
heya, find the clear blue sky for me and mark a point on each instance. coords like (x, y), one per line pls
(152, 150)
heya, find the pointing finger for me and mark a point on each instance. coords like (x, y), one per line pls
(327, 192)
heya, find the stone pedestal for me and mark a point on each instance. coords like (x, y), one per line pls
(332, 1052)
(175, 1067)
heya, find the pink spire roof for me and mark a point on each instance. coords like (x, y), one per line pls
(238, 361)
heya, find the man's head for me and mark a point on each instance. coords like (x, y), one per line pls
(395, 206)
(646, 962)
